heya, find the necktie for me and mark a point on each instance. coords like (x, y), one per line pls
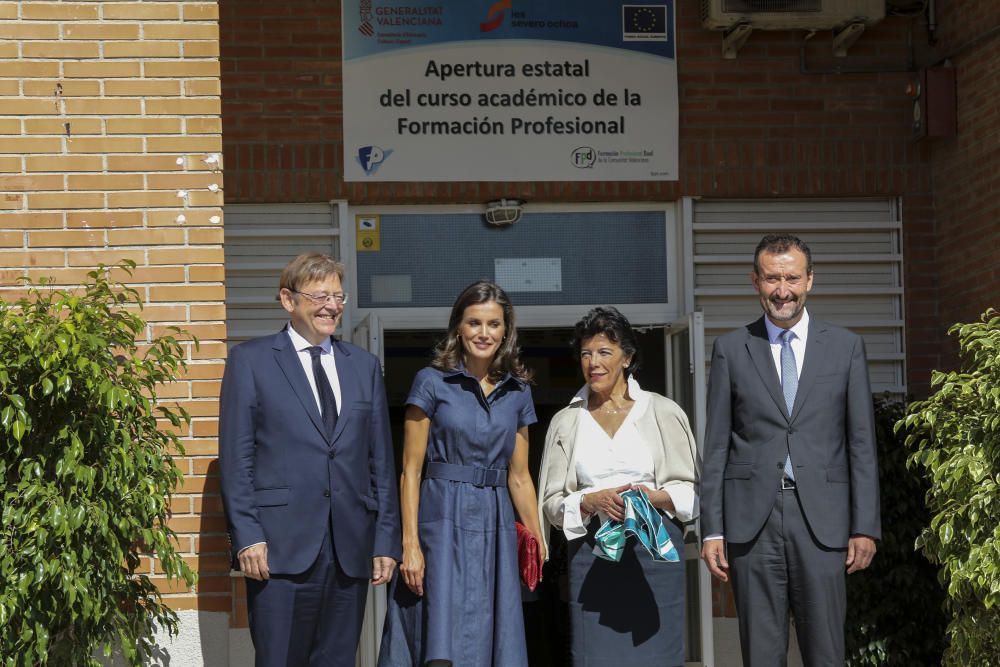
(789, 383)
(327, 400)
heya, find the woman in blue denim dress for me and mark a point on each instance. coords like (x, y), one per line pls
(456, 599)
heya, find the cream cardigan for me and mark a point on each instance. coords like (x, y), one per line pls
(676, 458)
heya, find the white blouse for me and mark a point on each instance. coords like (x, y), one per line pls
(605, 462)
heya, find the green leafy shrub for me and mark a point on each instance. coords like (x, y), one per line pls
(87, 475)
(894, 608)
(956, 437)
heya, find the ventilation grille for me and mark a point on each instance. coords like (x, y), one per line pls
(790, 14)
(857, 247)
(259, 240)
(754, 6)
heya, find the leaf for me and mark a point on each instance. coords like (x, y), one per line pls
(18, 429)
(62, 342)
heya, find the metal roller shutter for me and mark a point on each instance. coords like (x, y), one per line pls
(259, 241)
(857, 255)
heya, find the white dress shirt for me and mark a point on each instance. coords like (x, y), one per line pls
(605, 462)
(326, 359)
(800, 333)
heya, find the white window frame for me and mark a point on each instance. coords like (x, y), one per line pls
(527, 316)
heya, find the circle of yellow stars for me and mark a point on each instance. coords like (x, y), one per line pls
(643, 20)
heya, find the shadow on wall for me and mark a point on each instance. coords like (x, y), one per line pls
(221, 603)
(204, 621)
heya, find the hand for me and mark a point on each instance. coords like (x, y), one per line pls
(542, 555)
(607, 501)
(382, 567)
(253, 562)
(658, 498)
(713, 552)
(860, 552)
(412, 569)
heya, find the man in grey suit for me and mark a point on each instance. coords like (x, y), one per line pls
(789, 488)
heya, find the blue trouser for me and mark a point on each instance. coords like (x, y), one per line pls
(313, 618)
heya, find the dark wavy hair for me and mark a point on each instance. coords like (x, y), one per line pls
(449, 353)
(609, 321)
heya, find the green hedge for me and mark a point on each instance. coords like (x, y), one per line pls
(87, 474)
(955, 435)
(894, 608)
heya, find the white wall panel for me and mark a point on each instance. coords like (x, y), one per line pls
(857, 255)
(260, 239)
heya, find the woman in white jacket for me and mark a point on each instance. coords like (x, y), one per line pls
(613, 437)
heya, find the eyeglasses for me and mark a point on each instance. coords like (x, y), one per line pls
(339, 299)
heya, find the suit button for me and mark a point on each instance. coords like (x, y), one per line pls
(331, 455)
(791, 431)
(326, 494)
(781, 465)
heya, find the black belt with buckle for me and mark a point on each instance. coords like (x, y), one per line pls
(787, 484)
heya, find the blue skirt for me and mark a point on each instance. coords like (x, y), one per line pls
(470, 614)
(626, 613)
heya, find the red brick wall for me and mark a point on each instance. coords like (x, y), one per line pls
(966, 169)
(752, 127)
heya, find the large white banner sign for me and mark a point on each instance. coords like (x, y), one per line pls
(509, 90)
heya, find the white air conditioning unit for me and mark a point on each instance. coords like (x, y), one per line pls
(790, 14)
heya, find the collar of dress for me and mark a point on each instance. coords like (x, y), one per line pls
(638, 394)
(507, 377)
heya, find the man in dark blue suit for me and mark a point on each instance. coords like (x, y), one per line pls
(308, 481)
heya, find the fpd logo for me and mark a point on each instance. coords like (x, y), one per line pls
(371, 158)
(494, 17)
(584, 157)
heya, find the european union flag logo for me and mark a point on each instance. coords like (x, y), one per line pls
(644, 22)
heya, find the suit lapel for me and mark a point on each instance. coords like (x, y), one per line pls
(347, 375)
(815, 352)
(759, 348)
(288, 361)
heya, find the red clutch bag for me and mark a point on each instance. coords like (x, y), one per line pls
(527, 556)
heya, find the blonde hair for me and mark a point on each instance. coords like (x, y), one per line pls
(307, 268)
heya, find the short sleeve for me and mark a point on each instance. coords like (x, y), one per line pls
(526, 416)
(422, 392)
